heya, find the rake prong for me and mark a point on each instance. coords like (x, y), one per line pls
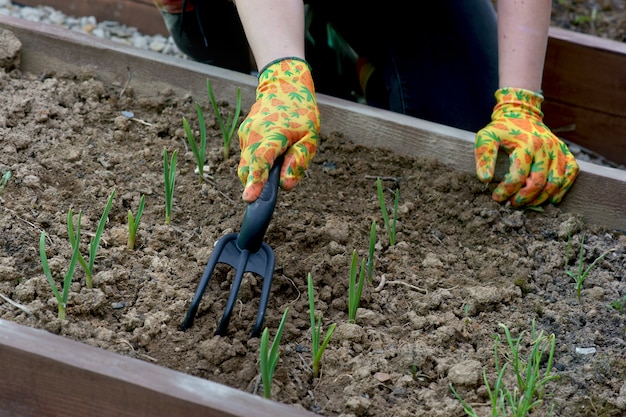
(206, 277)
(267, 286)
(234, 290)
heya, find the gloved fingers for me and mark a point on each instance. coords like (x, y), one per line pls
(535, 182)
(548, 192)
(519, 170)
(555, 179)
(485, 153)
(296, 162)
(571, 172)
(254, 167)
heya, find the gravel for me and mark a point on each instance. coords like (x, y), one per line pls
(127, 35)
(105, 29)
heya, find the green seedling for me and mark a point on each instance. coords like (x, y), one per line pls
(391, 228)
(317, 350)
(618, 305)
(199, 151)
(227, 127)
(531, 381)
(466, 314)
(370, 253)
(269, 356)
(580, 275)
(169, 174)
(61, 297)
(93, 244)
(4, 181)
(133, 223)
(355, 288)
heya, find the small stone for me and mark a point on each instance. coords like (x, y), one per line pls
(585, 351)
(466, 373)
(10, 47)
(118, 305)
(31, 181)
(431, 261)
(382, 376)
(157, 46)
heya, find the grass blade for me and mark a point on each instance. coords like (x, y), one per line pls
(269, 356)
(133, 223)
(370, 253)
(228, 127)
(355, 289)
(95, 241)
(169, 174)
(199, 152)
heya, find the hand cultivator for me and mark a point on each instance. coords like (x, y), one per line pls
(246, 252)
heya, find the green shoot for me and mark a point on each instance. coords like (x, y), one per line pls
(317, 350)
(355, 288)
(133, 223)
(93, 244)
(391, 228)
(169, 174)
(531, 382)
(580, 275)
(4, 180)
(618, 305)
(269, 356)
(370, 253)
(61, 297)
(227, 127)
(199, 152)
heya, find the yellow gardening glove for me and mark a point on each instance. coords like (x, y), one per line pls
(541, 166)
(285, 117)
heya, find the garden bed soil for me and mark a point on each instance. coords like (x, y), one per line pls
(461, 265)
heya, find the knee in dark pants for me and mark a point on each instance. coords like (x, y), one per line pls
(211, 33)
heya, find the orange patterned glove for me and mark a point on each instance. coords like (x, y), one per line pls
(542, 167)
(285, 117)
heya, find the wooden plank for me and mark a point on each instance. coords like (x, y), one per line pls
(141, 14)
(586, 71)
(585, 88)
(48, 375)
(592, 128)
(599, 193)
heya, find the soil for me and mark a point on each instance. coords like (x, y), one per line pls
(461, 265)
(602, 18)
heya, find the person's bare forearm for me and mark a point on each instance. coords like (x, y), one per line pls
(522, 40)
(274, 28)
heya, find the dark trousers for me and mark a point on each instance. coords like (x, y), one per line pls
(438, 63)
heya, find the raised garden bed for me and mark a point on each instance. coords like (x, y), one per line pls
(462, 263)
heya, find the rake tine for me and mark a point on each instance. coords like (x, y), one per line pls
(204, 281)
(265, 291)
(234, 290)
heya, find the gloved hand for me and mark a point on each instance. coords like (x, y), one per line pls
(542, 167)
(285, 117)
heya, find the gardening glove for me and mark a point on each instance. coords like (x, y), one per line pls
(285, 120)
(541, 166)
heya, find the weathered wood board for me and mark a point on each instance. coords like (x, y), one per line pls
(584, 84)
(48, 375)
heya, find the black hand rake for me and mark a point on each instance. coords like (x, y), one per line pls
(246, 252)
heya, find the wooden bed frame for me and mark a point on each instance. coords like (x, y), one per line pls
(48, 375)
